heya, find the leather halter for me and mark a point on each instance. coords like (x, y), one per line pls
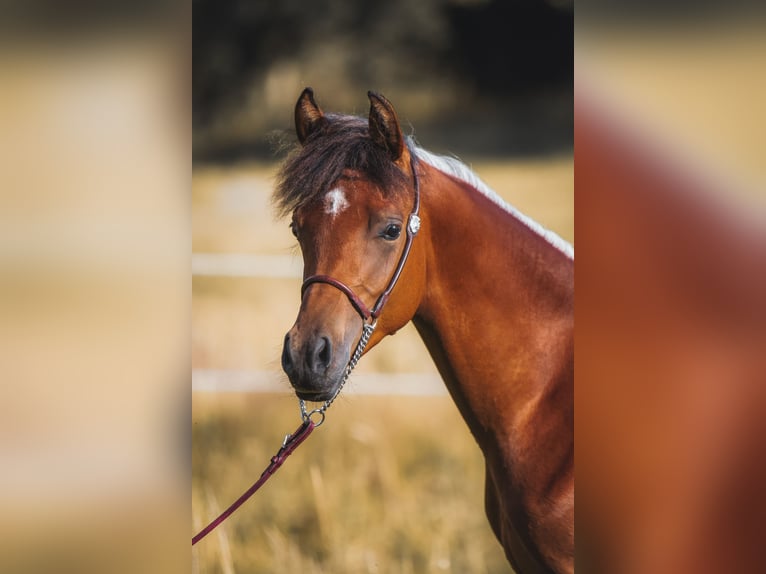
(413, 226)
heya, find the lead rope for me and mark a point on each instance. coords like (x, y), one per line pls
(292, 441)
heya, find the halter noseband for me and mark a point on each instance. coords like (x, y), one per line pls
(413, 225)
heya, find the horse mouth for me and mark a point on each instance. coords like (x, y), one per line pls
(314, 395)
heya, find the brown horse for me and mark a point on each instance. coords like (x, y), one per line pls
(490, 292)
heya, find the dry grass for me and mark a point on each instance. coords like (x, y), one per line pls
(386, 485)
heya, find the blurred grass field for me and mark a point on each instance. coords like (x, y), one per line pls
(385, 485)
(390, 484)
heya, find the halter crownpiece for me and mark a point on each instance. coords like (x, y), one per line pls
(371, 315)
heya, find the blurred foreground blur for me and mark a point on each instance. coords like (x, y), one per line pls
(670, 173)
(94, 298)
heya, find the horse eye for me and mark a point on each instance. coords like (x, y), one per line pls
(294, 229)
(392, 232)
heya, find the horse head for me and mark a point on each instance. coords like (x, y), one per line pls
(351, 188)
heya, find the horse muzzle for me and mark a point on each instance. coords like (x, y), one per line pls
(314, 364)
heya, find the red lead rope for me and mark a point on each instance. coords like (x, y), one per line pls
(288, 446)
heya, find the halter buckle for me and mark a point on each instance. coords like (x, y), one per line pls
(414, 223)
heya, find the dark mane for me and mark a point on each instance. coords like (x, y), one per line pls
(343, 143)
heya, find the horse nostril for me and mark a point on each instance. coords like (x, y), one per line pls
(287, 357)
(323, 353)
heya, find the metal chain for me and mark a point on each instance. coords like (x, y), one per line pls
(367, 330)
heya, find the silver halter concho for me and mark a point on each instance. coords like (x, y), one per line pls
(369, 316)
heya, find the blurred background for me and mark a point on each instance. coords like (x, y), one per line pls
(394, 481)
(478, 77)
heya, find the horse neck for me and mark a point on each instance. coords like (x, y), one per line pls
(497, 314)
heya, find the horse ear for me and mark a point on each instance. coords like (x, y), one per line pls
(308, 117)
(384, 126)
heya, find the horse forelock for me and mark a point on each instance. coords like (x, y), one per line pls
(312, 170)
